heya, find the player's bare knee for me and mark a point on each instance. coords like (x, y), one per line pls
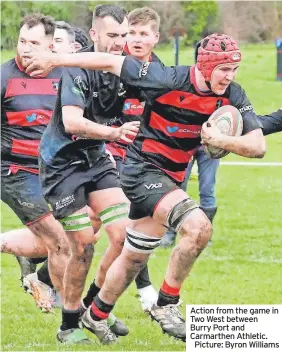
(116, 233)
(197, 229)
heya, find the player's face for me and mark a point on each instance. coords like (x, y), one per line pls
(32, 39)
(61, 42)
(222, 76)
(109, 36)
(141, 39)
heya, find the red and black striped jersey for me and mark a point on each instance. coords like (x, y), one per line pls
(133, 109)
(174, 112)
(27, 106)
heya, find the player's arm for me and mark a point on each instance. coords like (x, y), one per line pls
(44, 62)
(271, 123)
(250, 145)
(151, 75)
(76, 124)
(75, 93)
(252, 142)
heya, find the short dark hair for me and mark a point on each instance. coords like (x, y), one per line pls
(116, 12)
(80, 36)
(67, 27)
(38, 18)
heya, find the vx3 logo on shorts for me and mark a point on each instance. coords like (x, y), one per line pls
(172, 129)
(154, 185)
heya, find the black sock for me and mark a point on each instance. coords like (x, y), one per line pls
(70, 319)
(102, 309)
(142, 279)
(37, 260)
(164, 299)
(92, 292)
(43, 274)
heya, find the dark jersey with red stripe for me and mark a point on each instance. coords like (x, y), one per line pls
(27, 106)
(133, 109)
(271, 123)
(101, 96)
(174, 112)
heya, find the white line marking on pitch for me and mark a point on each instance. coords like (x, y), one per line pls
(249, 163)
(269, 260)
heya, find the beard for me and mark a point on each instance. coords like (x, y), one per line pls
(21, 60)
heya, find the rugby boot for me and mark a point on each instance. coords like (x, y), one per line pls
(116, 325)
(73, 336)
(170, 320)
(100, 328)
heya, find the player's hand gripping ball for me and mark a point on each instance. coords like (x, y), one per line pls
(229, 121)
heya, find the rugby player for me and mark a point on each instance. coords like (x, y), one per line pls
(27, 105)
(64, 38)
(76, 171)
(143, 35)
(179, 101)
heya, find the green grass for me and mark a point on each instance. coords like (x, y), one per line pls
(242, 267)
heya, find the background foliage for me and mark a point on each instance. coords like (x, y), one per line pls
(249, 21)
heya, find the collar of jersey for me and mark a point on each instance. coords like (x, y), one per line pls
(193, 81)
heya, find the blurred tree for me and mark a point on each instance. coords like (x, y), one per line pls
(12, 13)
(201, 18)
(252, 21)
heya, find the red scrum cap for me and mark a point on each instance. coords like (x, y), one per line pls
(216, 49)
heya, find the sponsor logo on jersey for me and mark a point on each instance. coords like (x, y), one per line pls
(174, 129)
(144, 69)
(122, 90)
(77, 91)
(55, 86)
(128, 105)
(246, 108)
(33, 117)
(64, 202)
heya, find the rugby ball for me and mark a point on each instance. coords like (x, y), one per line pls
(229, 120)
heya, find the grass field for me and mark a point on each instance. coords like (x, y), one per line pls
(243, 266)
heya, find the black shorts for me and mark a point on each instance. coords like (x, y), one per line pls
(67, 191)
(144, 185)
(22, 193)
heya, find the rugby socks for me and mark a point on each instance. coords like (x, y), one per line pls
(168, 295)
(43, 274)
(70, 319)
(100, 310)
(142, 279)
(37, 260)
(92, 292)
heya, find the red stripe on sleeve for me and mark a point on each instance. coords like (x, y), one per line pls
(31, 86)
(200, 104)
(29, 117)
(173, 129)
(25, 147)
